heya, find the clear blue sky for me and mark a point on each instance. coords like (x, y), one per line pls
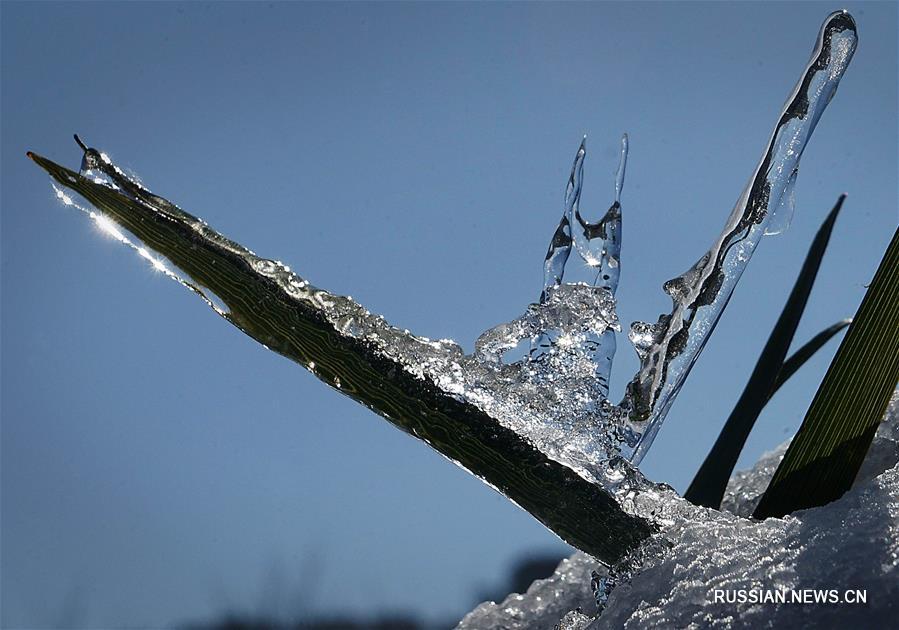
(158, 466)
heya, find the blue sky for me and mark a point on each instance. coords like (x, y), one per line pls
(159, 467)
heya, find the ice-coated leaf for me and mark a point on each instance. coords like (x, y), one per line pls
(427, 388)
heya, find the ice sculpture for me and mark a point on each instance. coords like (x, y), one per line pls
(540, 429)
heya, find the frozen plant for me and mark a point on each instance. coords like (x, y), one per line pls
(538, 426)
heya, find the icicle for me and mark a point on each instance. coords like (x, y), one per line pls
(598, 246)
(560, 245)
(700, 294)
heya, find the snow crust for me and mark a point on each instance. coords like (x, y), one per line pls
(850, 544)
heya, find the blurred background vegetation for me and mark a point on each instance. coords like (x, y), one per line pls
(284, 605)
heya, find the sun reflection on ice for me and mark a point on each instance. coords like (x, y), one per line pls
(109, 227)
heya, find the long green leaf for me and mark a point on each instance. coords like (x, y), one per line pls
(710, 482)
(830, 446)
(798, 358)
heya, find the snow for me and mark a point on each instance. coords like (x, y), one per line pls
(850, 544)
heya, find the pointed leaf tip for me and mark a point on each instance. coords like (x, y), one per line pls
(770, 372)
(833, 440)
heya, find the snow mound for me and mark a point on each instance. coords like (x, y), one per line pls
(849, 545)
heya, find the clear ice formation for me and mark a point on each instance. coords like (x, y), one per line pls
(559, 390)
(668, 348)
(599, 247)
(555, 397)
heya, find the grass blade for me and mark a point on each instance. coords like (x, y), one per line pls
(798, 358)
(831, 444)
(707, 487)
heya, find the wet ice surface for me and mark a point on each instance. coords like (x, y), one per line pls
(852, 543)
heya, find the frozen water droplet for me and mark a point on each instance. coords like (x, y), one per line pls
(615, 470)
(644, 335)
(297, 288)
(265, 267)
